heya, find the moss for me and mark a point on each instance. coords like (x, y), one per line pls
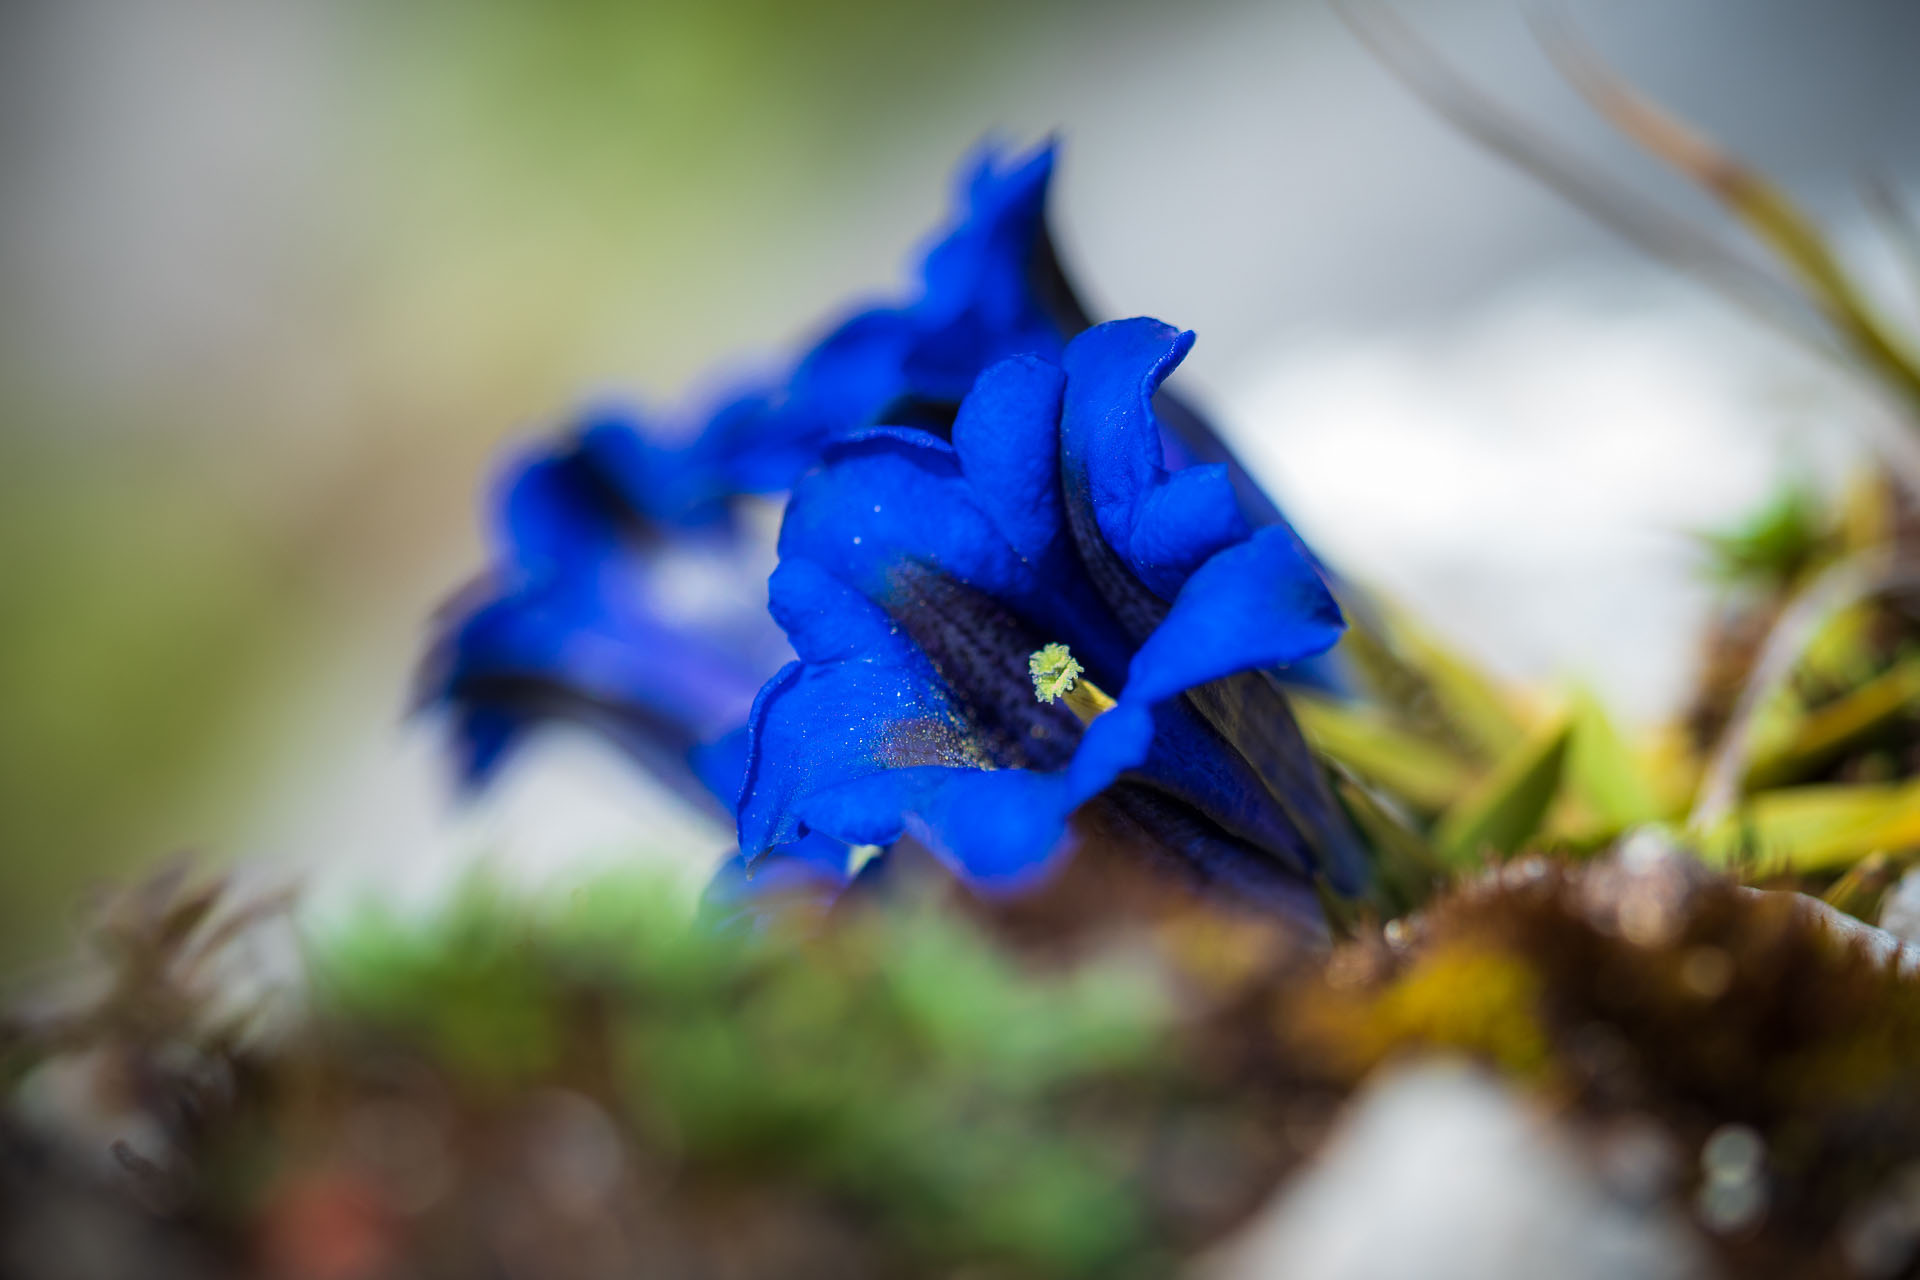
(899, 1095)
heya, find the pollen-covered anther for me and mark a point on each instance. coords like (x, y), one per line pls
(1057, 678)
(1054, 670)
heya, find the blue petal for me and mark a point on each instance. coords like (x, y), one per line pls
(1004, 830)
(809, 875)
(1172, 747)
(1252, 607)
(1190, 759)
(890, 495)
(550, 513)
(720, 766)
(894, 507)
(878, 710)
(1183, 841)
(825, 619)
(1249, 710)
(1183, 518)
(865, 742)
(982, 260)
(1189, 440)
(852, 646)
(976, 306)
(848, 377)
(1160, 525)
(666, 484)
(1259, 604)
(980, 303)
(1001, 829)
(810, 872)
(868, 808)
(565, 640)
(483, 737)
(1006, 436)
(575, 625)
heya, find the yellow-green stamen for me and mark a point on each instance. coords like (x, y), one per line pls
(1057, 677)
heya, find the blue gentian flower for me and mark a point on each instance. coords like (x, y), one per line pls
(598, 614)
(918, 575)
(626, 591)
(580, 617)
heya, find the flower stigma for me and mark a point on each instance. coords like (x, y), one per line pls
(1056, 677)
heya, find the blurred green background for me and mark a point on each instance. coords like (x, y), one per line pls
(279, 280)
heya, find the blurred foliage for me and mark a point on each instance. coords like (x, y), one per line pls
(1828, 758)
(895, 1096)
(1504, 811)
(905, 1064)
(1777, 544)
(590, 1083)
(1477, 771)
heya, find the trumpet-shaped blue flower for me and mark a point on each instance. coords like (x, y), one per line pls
(625, 594)
(583, 615)
(592, 613)
(917, 574)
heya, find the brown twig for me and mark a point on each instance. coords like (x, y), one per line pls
(1656, 230)
(1765, 209)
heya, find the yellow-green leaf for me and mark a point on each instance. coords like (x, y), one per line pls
(1822, 734)
(1603, 772)
(1505, 810)
(1436, 692)
(1406, 871)
(1818, 829)
(1424, 777)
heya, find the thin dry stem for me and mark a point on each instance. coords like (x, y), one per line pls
(1762, 207)
(1656, 230)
